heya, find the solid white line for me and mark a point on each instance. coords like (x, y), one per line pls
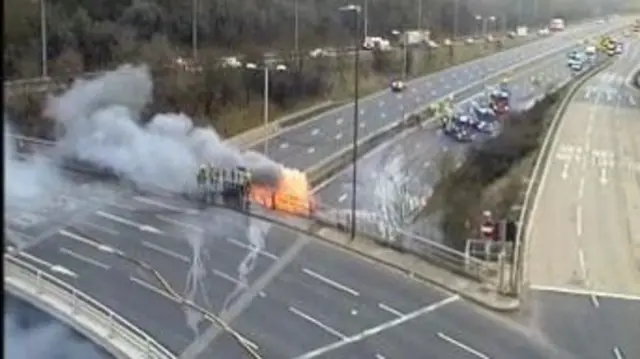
(166, 252)
(581, 188)
(35, 259)
(79, 238)
(179, 223)
(151, 287)
(119, 219)
(251, 248)
(462, 346)
(330, 282)
(227, 277)
(342, 198)
(376, 330)
(617, 353)
(98, 227)
(579, 220)
(622, 296)
(310, 319)
(389, 309)
(583, 266)
(82, 258)
(164, 205)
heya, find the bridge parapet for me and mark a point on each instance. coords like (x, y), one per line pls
(99, 323)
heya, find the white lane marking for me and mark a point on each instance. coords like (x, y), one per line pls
(179, 223)
(330, 282)
(579, 220)
(603, 175)
(632, 101)
(85, 259)
(617, 353)
(315, 132)
(284, 145)
(342, 198)
(251, 248)
(581, 188)
(151, 287)
(164, 205)
(362, 111)
(377, 329)
(389, 309)
(594, 300)
(362, 124)
(79, 238)
(380, 356)
(622, 296)
(35, 259)
(462, 346)
(140, 226)
(98, 227)
(583, 266)
(315, 321)
(227, 277)
(338, 136)
(426, 164)
(166, 252)
(339, 121)
(383, 115)
(565, 170)
(311, 150)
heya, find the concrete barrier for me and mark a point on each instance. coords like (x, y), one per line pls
(99, 323)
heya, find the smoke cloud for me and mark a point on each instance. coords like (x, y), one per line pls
(31, 334)
(103, 127)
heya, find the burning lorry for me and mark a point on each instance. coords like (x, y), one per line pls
(237, 187)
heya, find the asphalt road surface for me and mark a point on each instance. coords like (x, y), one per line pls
(585, 229)
(408, 167)
(584, 250)
(306, 144)
(296, 298)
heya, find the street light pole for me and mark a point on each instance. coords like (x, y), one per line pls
(194, 28)
(43, 39)
(296, 29)
(356, 114)
(456, 9)
(266, 106)
(366, 20)
(419, 14)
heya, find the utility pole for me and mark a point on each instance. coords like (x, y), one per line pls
(266, 106)
(419, 14)
(366, 19)
(296, 29)
(44, 38)
(456, 9)
(194, 29)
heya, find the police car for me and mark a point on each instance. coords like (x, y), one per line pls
(398, 86)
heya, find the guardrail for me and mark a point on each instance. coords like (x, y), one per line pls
(100, 322)
(531, 195)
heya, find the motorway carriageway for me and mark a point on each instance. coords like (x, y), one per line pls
(306, 144)
(299, 297)
(412, 157)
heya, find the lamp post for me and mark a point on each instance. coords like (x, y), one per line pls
(296, 34)
(44, 72)
(265, 94)
(194, 29)
(479, 26)
(356, 10)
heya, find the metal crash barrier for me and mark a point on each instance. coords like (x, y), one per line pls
(100, 322)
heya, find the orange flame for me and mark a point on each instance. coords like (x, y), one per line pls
(292, 194)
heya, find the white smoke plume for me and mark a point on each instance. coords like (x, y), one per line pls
(103, 127)
(390, 196)
(44, 339)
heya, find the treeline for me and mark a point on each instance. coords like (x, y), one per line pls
(94, 34)
(462, 193)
